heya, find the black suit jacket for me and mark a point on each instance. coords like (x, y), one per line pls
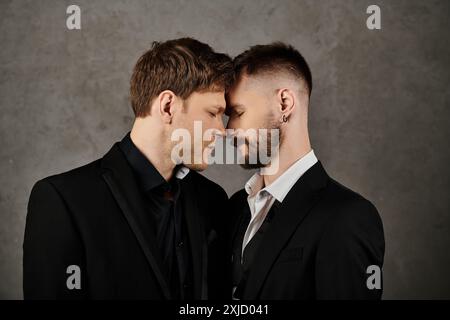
(93, 217)
(321, 240)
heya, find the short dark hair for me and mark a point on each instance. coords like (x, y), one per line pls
(271, 58)
(182, 65)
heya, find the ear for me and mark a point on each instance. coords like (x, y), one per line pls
(286, 98)
(166, 105)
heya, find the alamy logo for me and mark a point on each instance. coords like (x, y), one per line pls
(74, 280)
(73, 21)
(374, 280)
(251, 147)
(374, 20)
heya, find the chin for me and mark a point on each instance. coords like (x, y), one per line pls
(250, 166)
(197, 167)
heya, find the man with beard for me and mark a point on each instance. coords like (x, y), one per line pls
(139, 223)
(298, 234)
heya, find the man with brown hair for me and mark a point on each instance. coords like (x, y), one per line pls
(298, 234)
(133, 224)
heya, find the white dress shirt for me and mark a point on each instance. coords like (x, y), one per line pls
(182, 172)
(260, 199)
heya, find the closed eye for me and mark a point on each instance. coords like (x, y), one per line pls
(237, 114)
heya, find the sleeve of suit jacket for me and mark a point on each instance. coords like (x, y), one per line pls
(352, 242)
(51, 245)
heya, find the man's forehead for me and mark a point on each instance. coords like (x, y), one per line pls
(242, 82)
(241, 86)
(231, 99)
(214, 97)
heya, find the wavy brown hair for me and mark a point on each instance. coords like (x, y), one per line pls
(183, 66)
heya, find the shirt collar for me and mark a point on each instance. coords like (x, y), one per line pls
(147, 175)
(182, 172)
(281, 186)
(254, 184)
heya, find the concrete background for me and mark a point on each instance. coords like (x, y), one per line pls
(379, 115)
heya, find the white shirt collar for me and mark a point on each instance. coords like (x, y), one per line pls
(254, 184)
(283, 184)
(182, 172)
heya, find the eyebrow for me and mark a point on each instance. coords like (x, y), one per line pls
(220, 108)
(234, 106)
(231, 107)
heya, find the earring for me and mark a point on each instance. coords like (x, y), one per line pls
(284, 118)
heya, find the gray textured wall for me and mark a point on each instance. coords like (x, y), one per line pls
(379, 114)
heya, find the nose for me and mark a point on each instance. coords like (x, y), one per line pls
(231, 124)
(221, 128)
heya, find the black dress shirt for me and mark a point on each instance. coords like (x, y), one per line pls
(162, 199)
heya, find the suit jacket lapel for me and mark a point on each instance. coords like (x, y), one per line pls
(120, 180)
(288, 216)
(195, 234)
(239, 232)
(237, 242)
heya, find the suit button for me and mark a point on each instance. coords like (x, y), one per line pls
(180, 244)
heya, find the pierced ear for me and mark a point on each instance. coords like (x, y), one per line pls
(287, 101)
(166, 101)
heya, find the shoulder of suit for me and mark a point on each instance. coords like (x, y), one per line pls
(86, 175)
(349, 208)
